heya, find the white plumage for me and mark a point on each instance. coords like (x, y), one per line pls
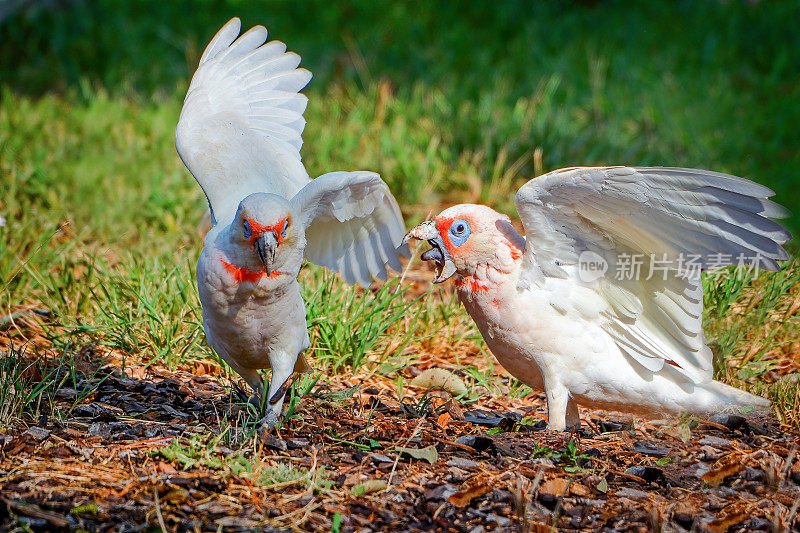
(613, 338)
(239, 134)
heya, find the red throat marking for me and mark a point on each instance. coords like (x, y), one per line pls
(243, 274)
(471, 284)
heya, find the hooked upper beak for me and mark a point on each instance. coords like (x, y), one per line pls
(445, 267)
(265, 245)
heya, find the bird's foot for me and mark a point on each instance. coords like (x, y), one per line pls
(267, 424)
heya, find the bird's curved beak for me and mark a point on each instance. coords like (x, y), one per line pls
(265, 246)
(445, 267)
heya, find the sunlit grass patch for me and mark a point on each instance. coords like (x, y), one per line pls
(752, 325)
(30, 384)
(346, 323)
(197, 451)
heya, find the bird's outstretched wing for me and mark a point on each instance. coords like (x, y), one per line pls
(652, 228)
(242, 119)
(353, 225)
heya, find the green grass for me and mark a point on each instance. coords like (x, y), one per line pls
(450, 102)
(201, 451)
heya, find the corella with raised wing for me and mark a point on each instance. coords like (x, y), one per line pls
(239, 134)
(600, 304)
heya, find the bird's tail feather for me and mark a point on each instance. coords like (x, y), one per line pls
(722, 398)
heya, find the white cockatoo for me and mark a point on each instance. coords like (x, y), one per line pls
(563, 310)
(239, 134)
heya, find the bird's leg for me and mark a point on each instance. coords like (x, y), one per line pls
(253, 378)
(557, 402)
(573, 418)
(282, 370)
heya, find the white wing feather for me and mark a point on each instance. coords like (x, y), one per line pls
(653, 213)
(242, 119)
(353, 225)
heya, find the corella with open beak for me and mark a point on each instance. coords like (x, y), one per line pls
(438, 253)
(240, 136)
(599, 305)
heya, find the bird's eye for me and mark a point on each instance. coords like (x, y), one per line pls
(459, 232)
(247, 231)
(285, 227)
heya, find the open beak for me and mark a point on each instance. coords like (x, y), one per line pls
(438, 253)
(265, 246)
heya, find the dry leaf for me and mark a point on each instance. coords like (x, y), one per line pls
(428, 453)
(556, 486)
(371, 485)
(463, 497)
(718, 475)
(723, 524)
(541, 528)
(578, 489)
(440, 379)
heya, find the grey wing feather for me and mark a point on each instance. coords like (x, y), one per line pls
(353, 225)
(664, 216)
(242, 119)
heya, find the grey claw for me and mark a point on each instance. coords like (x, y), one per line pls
(267, 424)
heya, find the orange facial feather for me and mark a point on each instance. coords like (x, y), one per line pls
(276, 229)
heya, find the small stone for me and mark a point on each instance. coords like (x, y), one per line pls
(380, 458)
(442, 492)
(710, 454)
(480, 443)
(296, 444)
(99, 429)
(697, 470)
(274, 443)
(465, 464)
(66, 394)
(715, 441)
(456, 475)
(631, 493)
(730, 421)
(501, 521)
(38, 433)
(647, 448)
(648, 473)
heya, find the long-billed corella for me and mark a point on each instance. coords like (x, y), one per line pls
(239, 134)
(600, 304)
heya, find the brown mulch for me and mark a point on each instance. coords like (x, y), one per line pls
(365, 461)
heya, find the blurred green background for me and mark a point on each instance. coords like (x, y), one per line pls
(448, 100)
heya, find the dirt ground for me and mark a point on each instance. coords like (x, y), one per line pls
(152, 449)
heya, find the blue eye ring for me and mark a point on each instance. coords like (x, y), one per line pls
(247, 231)
(459, 232)
(285, 227)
